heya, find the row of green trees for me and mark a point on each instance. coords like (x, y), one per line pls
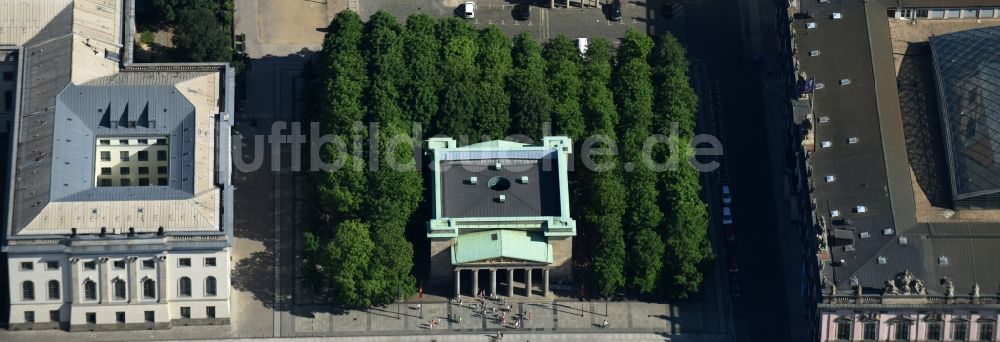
(457, 80)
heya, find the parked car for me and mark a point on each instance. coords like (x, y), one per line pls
(733, 264)
(730, 232)
(734, 285)
(727, 197)
(615, 11)
(470, 10)
(522, 12)
(727, 215)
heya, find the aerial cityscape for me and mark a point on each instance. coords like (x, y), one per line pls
(491, 170)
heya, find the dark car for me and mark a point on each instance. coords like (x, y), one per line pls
(615, 11)
(522, 12)
(734, 266)
(730, 232)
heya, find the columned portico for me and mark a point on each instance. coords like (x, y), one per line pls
(528, 280)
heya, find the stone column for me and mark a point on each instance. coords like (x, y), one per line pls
(133, 281)
(510, 282)
(102, 282)
(161, 280)
(527, 282)
(458, 283)
(475, 282)
(75, 284)
(545, 282)
(493, 281)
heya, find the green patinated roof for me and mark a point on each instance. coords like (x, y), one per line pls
(514, 244)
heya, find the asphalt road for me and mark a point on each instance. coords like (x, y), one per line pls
(722, 36)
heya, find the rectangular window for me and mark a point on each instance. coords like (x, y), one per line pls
(123, 155)
(125, 182)
(149, 316)
(120, 316)
(143, 170)
(184, 262)
(210, 311)
(161, 141)
(960, 331)
(922, 13)
(952, 13)
(91, 318)
(105, 156)
(143, 156)
(969, 13)
(54, 315)
(936, 14)
(124, 171)
(185, 312)
(844, 330)
(934, 331)
(90, 265)
(143, 141)
(8, 100)
(161, 155)
(27, 266)
(870, 332)
(161, 170)
(52, 265)
(29, 317)
(105, 142)
(986, 13)
(143, 181)
(119, 264)
(123, 141)
(148, 264)
(987, 331)
(162, 182)
(105, 171)
(104, 182)
(209, 262)
(902, 331)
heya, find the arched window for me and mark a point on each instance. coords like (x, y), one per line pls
(185, 287)
(89, 290)
(118, 285)
(54, 289)
(149, 289)
(28, 290)
(210, 286)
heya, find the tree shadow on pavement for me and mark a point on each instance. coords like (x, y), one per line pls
(255, 274)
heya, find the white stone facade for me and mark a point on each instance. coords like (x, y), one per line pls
(911, 324)
(61, 297)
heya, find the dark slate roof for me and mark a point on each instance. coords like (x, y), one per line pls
(539, 197)
(967, 68)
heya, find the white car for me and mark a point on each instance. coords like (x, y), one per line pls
(727, 198)
(581, 44)
(470, 10)
(836, 16)
(810, 25)
(727, 215)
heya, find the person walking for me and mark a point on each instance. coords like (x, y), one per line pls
(605, 324)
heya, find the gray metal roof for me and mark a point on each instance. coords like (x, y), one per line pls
(539, 197)
(967, 68)
(87, 113)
